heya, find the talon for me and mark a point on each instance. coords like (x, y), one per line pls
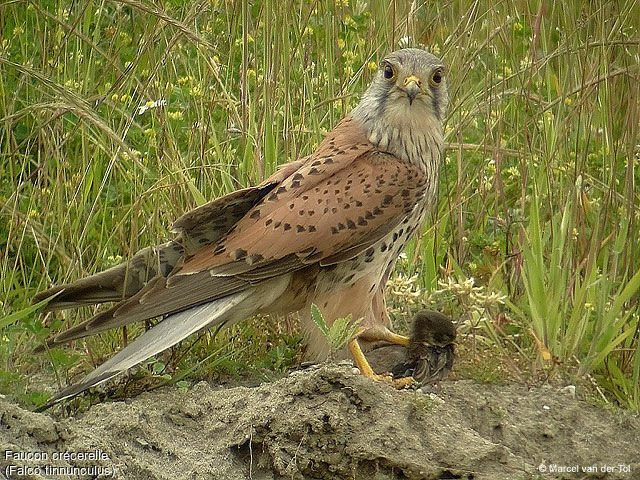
(403, 382)
(367, 371)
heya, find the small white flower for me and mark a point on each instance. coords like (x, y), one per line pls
(152, 104)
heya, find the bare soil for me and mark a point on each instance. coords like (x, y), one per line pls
(327, 422)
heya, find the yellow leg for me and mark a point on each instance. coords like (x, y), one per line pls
(361, 361)
(367, 371)
(397, 339)
(383, 335)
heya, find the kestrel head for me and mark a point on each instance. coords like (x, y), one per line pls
(408, 97)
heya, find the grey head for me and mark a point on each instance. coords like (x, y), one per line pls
(407, 97)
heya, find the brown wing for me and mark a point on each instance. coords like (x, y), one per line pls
(201, 226)
(148, 267)
(329, 221)
(339, 202)
(206, 224)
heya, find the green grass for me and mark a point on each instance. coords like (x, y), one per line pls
(538, 199)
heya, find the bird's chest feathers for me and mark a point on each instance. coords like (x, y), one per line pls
(409, 133)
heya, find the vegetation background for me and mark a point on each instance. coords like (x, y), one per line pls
(116, 116)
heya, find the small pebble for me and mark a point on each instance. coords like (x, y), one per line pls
(142, 442)
(569, 390)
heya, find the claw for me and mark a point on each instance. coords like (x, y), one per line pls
(367, 371)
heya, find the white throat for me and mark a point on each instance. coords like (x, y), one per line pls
(408, 132)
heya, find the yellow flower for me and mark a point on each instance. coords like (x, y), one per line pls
(340, 43)
(373, 66)
(114, 258)
(548, 116)
(349, 57)
(568, 101)
(349, 22)
(125, 37)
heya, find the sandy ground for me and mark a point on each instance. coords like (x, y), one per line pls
(326, 422)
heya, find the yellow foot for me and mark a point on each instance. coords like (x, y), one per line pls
(403, 382)
(367, 371)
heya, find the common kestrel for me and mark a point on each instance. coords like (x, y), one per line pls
(324, 230)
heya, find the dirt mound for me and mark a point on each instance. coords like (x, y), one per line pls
(326, 422)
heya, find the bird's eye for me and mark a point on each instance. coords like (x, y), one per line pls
(389, 72)
(436, 78)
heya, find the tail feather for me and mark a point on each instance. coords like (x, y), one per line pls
(178, 326)
(117, 283)
(165, 334)
(81, 330)
(136, 309)
(204, 225)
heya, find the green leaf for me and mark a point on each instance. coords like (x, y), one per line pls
(344, 330)
(195, 193)
(60, 358)
(26, 312)
(158, 367)
(318, 319)
(340, 332)
(183, 386)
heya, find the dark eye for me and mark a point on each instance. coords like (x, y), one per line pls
(436, 78)
(388, 72)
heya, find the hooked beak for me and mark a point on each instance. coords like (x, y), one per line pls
(412, 87)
